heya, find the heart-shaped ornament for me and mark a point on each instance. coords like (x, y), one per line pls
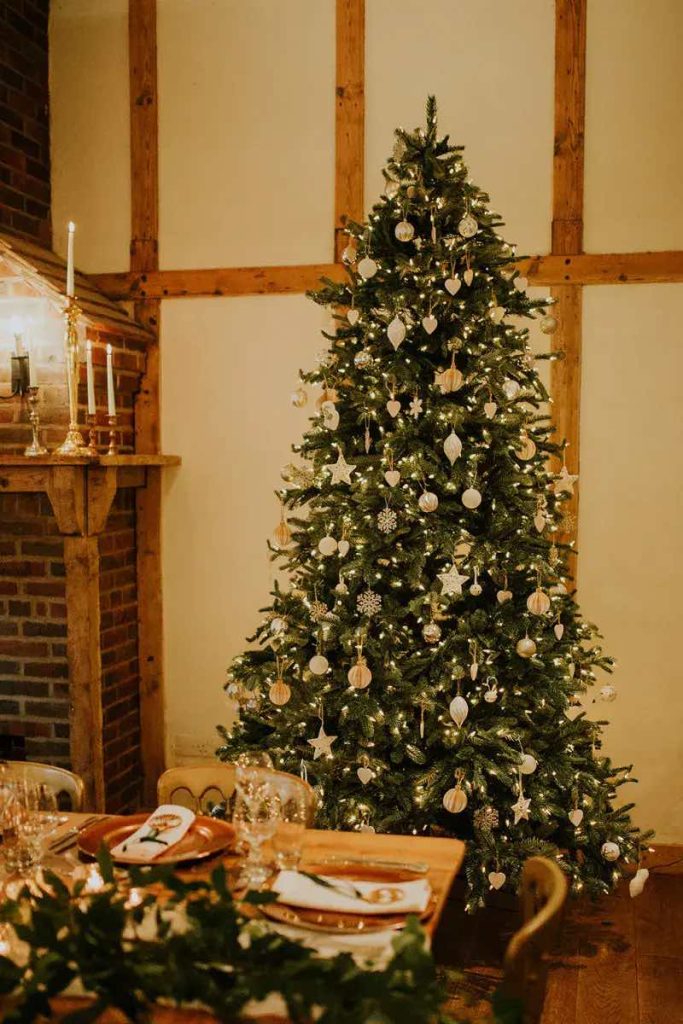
(539, 522)
(490, 409)
(521, 284)
(497, 314)
(503, 596)
(497, 879)
(353, 316)
(468, 277)
(343, 547)
(430, 323)
(573, 711)
(392, 477)
(365, 775)
(558, 630)
(453, 285)
(393, 407)
(576, 817)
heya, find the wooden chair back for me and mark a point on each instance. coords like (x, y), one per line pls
(68, 787)
(200, 787)
(544, 892)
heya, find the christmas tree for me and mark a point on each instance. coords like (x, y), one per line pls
(423, 667)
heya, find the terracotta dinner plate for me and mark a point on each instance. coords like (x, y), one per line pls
(205, 838)
(317, 920)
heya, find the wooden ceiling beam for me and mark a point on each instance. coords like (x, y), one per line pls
(349, 159)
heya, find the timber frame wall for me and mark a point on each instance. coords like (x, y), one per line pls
(566, 270)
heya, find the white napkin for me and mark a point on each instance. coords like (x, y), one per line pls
(162, 830)
(299, 891)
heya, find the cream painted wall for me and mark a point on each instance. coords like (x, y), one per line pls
(246, 176)
(630, 532)
(634, 145)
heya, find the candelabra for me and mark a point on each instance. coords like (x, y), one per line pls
(35, 448)
(73, 443)
(91, 448)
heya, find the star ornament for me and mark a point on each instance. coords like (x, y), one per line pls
(521, 808)
(322, 744)
(452, 581)
(565, 481)
(341, 470)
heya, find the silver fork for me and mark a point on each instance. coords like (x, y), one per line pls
(68, 839)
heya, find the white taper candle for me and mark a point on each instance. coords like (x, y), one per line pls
(70, 258)
(111, 400)
(92, 408)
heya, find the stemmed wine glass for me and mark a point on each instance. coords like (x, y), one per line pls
(255, 813)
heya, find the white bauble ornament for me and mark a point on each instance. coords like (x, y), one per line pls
(453, 285)
(503, 596)
(365, 775)
(548, 325)
(455, 800)
(359, 675)
(279, 693)
(468, 226)
(528, 764)
(396, 331)
(521, 283)
(576, 817)
(343, 547)
(490, 409)
(392, 477)
(558, 630)
(607, 693)
(459, 709)
(318, 664)
(468, 277)
(330, 415)
(353, 316)
(452, 447)
(430, 323)
(393, 407)
(404, 231)
(490, 695)
(497, 313)
(367, 268)
(299, 398)
(511, 389)
(526, 648)
(471, 498)
(527, 449)
(327, 546)
(428, 501)
(362, 359)
(497, 879)
(538, 603)
(637, 883)
(431, 633)
(476, 589)
(610, 851)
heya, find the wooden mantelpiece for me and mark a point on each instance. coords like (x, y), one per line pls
(81, 493)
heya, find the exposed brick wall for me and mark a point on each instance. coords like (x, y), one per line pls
(119, 645)
(34, 689)
(24, 119)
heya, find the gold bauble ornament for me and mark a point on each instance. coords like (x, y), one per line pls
(431, 632)
(610, 851)
(449, 380)
(548, 325)
(359, 675)
(455, 800)
(526, 648)
(282, 534)
(404, 231)
(538, 603)
(279, 693)
(527, 449)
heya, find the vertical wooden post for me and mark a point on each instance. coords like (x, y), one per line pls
(567, 226)
(350, 117)
(144, 255)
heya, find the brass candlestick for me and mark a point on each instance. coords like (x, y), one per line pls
(92, 436)
(73, 443)
(35, 448)
(113, 448)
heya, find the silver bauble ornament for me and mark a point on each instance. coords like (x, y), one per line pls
(526, 648)
(468, 226)
(528, 764)
(610, 851)
(511, 389)
(431, 633)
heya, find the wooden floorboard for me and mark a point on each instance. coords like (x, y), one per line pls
(618, 960)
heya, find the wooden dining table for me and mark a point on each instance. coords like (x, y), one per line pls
(442, 858)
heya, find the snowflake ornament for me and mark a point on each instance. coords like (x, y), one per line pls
(368, 603)
(415, 407)
(486, 819)
(387, 520)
